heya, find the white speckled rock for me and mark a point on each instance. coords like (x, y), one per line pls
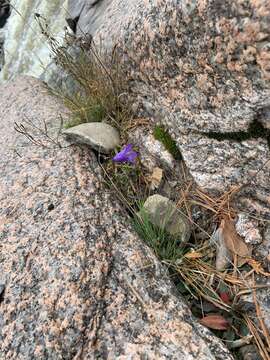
(100, 136)
(248, 229)
(152, 151)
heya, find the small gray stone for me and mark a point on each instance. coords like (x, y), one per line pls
(163, 213)
(100, 136)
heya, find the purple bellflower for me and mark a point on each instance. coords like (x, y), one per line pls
(126, 155)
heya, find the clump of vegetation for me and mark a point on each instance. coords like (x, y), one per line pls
(98, 85)
(165, 246)
(127, 182)
(84, 110)
(165, 138)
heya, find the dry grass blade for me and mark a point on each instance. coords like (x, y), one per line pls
(220, 206)
(257, 338)
(205, 206)
(200, 278)
(257, 267)
(208, 269)
(183, 201)
(260, 318)
(184, 194)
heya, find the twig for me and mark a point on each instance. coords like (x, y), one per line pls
(239, 342)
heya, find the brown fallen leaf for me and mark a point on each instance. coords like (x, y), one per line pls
(234, 242)
(215, 321)
(223, 255)
(155, 178)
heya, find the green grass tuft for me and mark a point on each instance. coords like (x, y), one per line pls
(85, 111)
(165, 138)
(165, 246)
(98, 87)
(127, 181)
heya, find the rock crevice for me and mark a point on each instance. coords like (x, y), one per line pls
(255, 130)
(198, 67)
(78, 283)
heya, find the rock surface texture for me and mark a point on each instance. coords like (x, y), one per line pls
(75, 282)
(100, 136)
(152, 152)
(202, 68)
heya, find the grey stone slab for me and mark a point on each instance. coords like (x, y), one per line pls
(100, 136)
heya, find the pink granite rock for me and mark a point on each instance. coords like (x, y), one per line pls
(75, 282)
(202, 69)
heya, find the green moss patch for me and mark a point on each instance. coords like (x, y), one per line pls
(165, 138)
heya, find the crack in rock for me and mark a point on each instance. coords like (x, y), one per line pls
(255, 131)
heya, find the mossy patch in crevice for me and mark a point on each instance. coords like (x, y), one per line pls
(255, 131)
(162, 135)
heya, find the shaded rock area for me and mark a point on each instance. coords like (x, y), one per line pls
(2, 57)
(4, 14)
(76, 283)
(201, 68)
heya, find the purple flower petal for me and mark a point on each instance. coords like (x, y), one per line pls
(119, 157)
(132, 157)
(128, 148)
(127, 154)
